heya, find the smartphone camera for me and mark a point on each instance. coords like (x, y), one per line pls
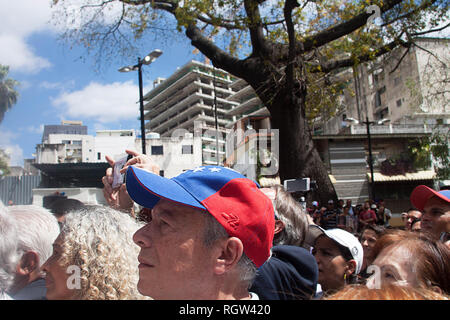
(119, 178)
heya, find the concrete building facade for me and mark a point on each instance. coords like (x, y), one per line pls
(186, 102)
(403, 84)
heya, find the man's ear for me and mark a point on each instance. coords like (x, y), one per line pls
(436, 289)
(279, 226)
(28, 263)
(231, 252)
(351, 267)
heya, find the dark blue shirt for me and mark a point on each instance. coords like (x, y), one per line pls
(290, 274)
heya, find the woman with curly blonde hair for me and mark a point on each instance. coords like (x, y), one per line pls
(94, 257)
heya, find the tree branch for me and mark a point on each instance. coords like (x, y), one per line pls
(430, 31)
(288, 7)
(255, 26)
(424, 5)
(400, 61)
(337, 64)
(342, 29)
(219, 58)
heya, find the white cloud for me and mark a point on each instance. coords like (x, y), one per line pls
(19, 56)
(62, 86)
(68, 16)
(19, 20)
(35, 129)
(101, 102)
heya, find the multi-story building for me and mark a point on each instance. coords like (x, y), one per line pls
(73, 162)
(65, 143)
(403, 84)
(186, 102)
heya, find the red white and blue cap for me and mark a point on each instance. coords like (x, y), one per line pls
(421, 194)
(234, 200)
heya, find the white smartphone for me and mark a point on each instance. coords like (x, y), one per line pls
(119, 178)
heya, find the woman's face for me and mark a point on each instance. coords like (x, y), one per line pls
(394, 265)
(56, 279)
(332, 265)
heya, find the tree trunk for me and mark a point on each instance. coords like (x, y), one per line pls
(285, 100)
(298, 156)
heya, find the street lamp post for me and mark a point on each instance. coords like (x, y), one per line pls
(372, 184)
(148, 59)
(369, 142)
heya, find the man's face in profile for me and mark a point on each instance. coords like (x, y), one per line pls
(174, 262)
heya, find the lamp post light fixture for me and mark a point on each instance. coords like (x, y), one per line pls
(148, 59)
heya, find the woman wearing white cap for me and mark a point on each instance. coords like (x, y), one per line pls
(339, 256)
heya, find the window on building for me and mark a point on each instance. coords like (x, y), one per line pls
(157, 150)
(99, 155)
(399, 102)
(377, 99)
(187, 149)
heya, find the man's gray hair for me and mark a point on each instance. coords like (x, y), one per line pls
(8, 248)
(295, 219)
(215, 231)
(37, 230)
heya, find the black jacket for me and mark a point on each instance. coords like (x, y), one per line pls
(290, 274)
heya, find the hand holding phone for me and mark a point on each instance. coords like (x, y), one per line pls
(119, 178)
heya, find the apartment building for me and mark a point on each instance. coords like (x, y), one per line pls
(185, 103)
(403, 84)
(65, 143)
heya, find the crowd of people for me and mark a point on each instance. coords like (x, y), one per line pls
(349, 217)
(212, 234)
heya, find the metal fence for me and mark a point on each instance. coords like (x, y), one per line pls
(18, 189)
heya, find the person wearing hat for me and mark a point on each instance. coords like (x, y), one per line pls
(291, 272)
(209, 229)
(435, 206)
(339, 256)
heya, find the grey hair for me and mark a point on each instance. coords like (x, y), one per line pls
(215, 231)
(37, 230)
(8, 248)
(295, 219)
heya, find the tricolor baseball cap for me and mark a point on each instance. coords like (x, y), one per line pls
(345, 239)
(232, 199)
(421, 194)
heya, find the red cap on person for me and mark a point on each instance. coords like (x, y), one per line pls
(421, 194)
(234, 200)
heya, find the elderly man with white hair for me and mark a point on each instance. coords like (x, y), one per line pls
(36, 230)
(8, 251)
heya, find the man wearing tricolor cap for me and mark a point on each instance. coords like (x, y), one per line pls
(435, 207)
(209, 229)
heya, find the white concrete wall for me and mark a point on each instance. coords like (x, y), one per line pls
(173, 161)
(112, 144)
(89, 196)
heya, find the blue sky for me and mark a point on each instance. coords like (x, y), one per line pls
(56, 85)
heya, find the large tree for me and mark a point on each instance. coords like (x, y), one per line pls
(277, 46)
(8, 93)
